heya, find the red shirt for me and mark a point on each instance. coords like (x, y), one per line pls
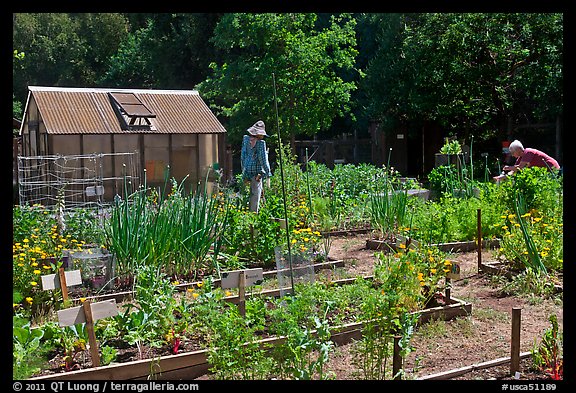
(537, 158)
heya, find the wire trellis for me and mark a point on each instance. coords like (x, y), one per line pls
(74, 181)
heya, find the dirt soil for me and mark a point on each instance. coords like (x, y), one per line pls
(483, 336)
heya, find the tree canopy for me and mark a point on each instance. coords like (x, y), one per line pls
(472, 73)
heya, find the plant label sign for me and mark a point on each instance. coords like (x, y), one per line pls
(409, 242)
(231, 279)
(74, 315)
(52, 281)
(454, 272)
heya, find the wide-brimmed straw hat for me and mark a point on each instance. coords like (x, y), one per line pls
(259, 128)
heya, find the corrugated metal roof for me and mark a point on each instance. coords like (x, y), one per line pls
(89, 111)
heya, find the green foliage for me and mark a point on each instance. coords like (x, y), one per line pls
(541, 190)
(307, 61)
(26, 347)
(547, 356)
(175, 231)
(451, 147)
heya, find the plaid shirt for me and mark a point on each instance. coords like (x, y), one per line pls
(254, 160)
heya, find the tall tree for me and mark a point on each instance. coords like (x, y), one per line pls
(63, 49)
(171, 51)
(471, 72)
(306, 62)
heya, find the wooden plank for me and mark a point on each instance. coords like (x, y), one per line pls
(231, 279)
(466, 369)
(75, 315)
(94, 354)
(52, 281)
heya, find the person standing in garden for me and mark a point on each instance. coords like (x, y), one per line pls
(254, 162)
(529, 157)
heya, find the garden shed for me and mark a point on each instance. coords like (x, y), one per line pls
(85, 142)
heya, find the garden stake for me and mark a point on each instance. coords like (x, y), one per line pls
(88, 313)
(479, 240)
(242, 294)
(91, 335)
(283, 185)
(396, 359)
(63, 286)
(515, 344)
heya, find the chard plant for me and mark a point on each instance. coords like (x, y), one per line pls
(548, 355)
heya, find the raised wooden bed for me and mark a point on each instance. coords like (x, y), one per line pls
(120, 296)
(497, 268)
(194, 364)
(383, 245)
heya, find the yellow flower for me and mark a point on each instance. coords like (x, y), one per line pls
(29, 300)
(33, 283)
(433, 271)
(189, 289)
(195, 295)
(176, 283)
(402, 245)
(36, 271)
(199, 284)
(227, 293)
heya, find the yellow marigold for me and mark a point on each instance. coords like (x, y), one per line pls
(29, 299)
(36, 271)
(82, 299)
(195, 295)
(433, 271)
(227, 293)
(33, 283)
(402, 245)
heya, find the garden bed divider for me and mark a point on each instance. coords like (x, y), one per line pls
(120, 296)
(374, 244)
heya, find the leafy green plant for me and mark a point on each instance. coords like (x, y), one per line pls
(25, 346)
(451, 147)
(305, 352)
(547, 355)
(233, 350)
